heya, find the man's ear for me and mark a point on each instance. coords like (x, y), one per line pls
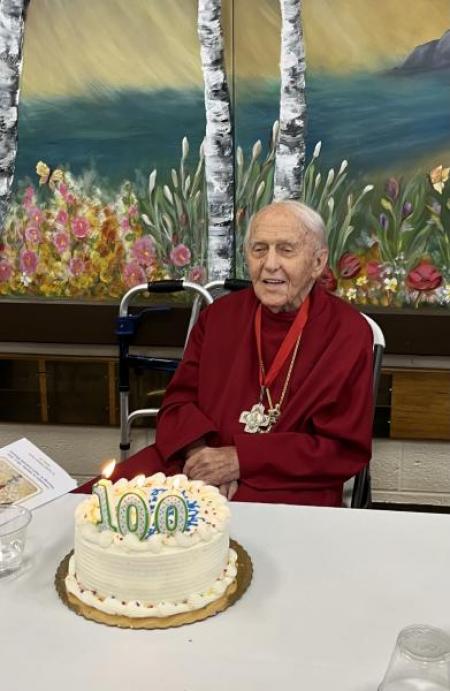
(319, 262)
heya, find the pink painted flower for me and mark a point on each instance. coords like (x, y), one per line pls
(35, 215)
(80, 227)
(349, 265)
(197, 274)
(373, 269)
(180, 255)
(28, 197)
(70, 198)
(424, 276)
(5, 271)
(133, 211)
(61, 241)
(33, 235)
(143, 251)
(133, 274)
(76, 266)
(62, 217)
(125, 224)
(28, 261)
(63, 189)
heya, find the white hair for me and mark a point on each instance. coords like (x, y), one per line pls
(309, 220)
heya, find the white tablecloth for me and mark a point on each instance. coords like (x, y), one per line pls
(331, 590)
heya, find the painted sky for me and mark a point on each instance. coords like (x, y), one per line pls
(74, 47)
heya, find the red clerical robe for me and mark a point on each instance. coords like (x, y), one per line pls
(323, 436)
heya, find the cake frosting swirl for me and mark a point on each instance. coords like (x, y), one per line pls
(158, 546)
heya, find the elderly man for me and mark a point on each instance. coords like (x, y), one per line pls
(272, 401)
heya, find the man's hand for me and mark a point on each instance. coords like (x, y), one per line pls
(213, 466)
(195, 446)
(229, 489)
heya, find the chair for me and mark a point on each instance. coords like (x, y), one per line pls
(127, 325)
(361, 493)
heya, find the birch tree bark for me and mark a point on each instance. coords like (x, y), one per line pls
(12, 17)
(219, 152)
(290, 153)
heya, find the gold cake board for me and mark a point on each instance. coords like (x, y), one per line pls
(234, 591)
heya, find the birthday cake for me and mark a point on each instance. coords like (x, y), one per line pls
(151, 547)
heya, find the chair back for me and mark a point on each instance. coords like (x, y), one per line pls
(361, 494)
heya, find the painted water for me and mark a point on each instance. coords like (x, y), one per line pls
(377, 122)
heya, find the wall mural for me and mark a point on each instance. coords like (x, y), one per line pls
(114, 139)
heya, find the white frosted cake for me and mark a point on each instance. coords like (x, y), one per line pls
(151, 547)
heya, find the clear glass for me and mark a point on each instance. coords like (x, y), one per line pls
(13, 525)
(420, 661)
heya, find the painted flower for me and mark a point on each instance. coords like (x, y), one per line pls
(180, 255)
(133, 211)
(80, 227)
(407, 210)
(361, 281)
(76, 266)
(197, 274)
(373, 269)
(392, 189)
(384, 221)
(349, 265)
(28, 261)
(327, 280)
(438, 178)
(61, 241)
(5, 271)
(125, 224)
(443, 293)
(28, 197)
(424, 276)
(133, 274)
(350, 294)
(33, 235)
(35, 215)
(143, 251)
(390, 285)
(63, 189)
(62, 217)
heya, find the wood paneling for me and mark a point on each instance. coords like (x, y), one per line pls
(420, 405)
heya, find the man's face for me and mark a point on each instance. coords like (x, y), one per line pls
(283, 259)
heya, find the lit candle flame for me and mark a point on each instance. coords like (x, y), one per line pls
(108, 468)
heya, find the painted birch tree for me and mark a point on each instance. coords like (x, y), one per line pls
(290, 152)
(12, 17)
(219, 149)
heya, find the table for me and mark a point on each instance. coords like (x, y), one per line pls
(331, 590)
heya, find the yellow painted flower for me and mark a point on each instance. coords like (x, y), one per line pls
(439, 177)
(350, 294)
(390, 285)
(361, 280)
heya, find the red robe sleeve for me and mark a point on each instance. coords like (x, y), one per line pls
(338, 446)
(180, 420)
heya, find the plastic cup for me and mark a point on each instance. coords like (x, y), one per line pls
(13, 525)
(420, 661)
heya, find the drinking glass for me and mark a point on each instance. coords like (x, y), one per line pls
(420, 661)
(13, 524)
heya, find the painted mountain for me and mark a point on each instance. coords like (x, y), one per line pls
(433, 55)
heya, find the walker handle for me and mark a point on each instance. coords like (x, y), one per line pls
(166, 286)
(234, 284)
